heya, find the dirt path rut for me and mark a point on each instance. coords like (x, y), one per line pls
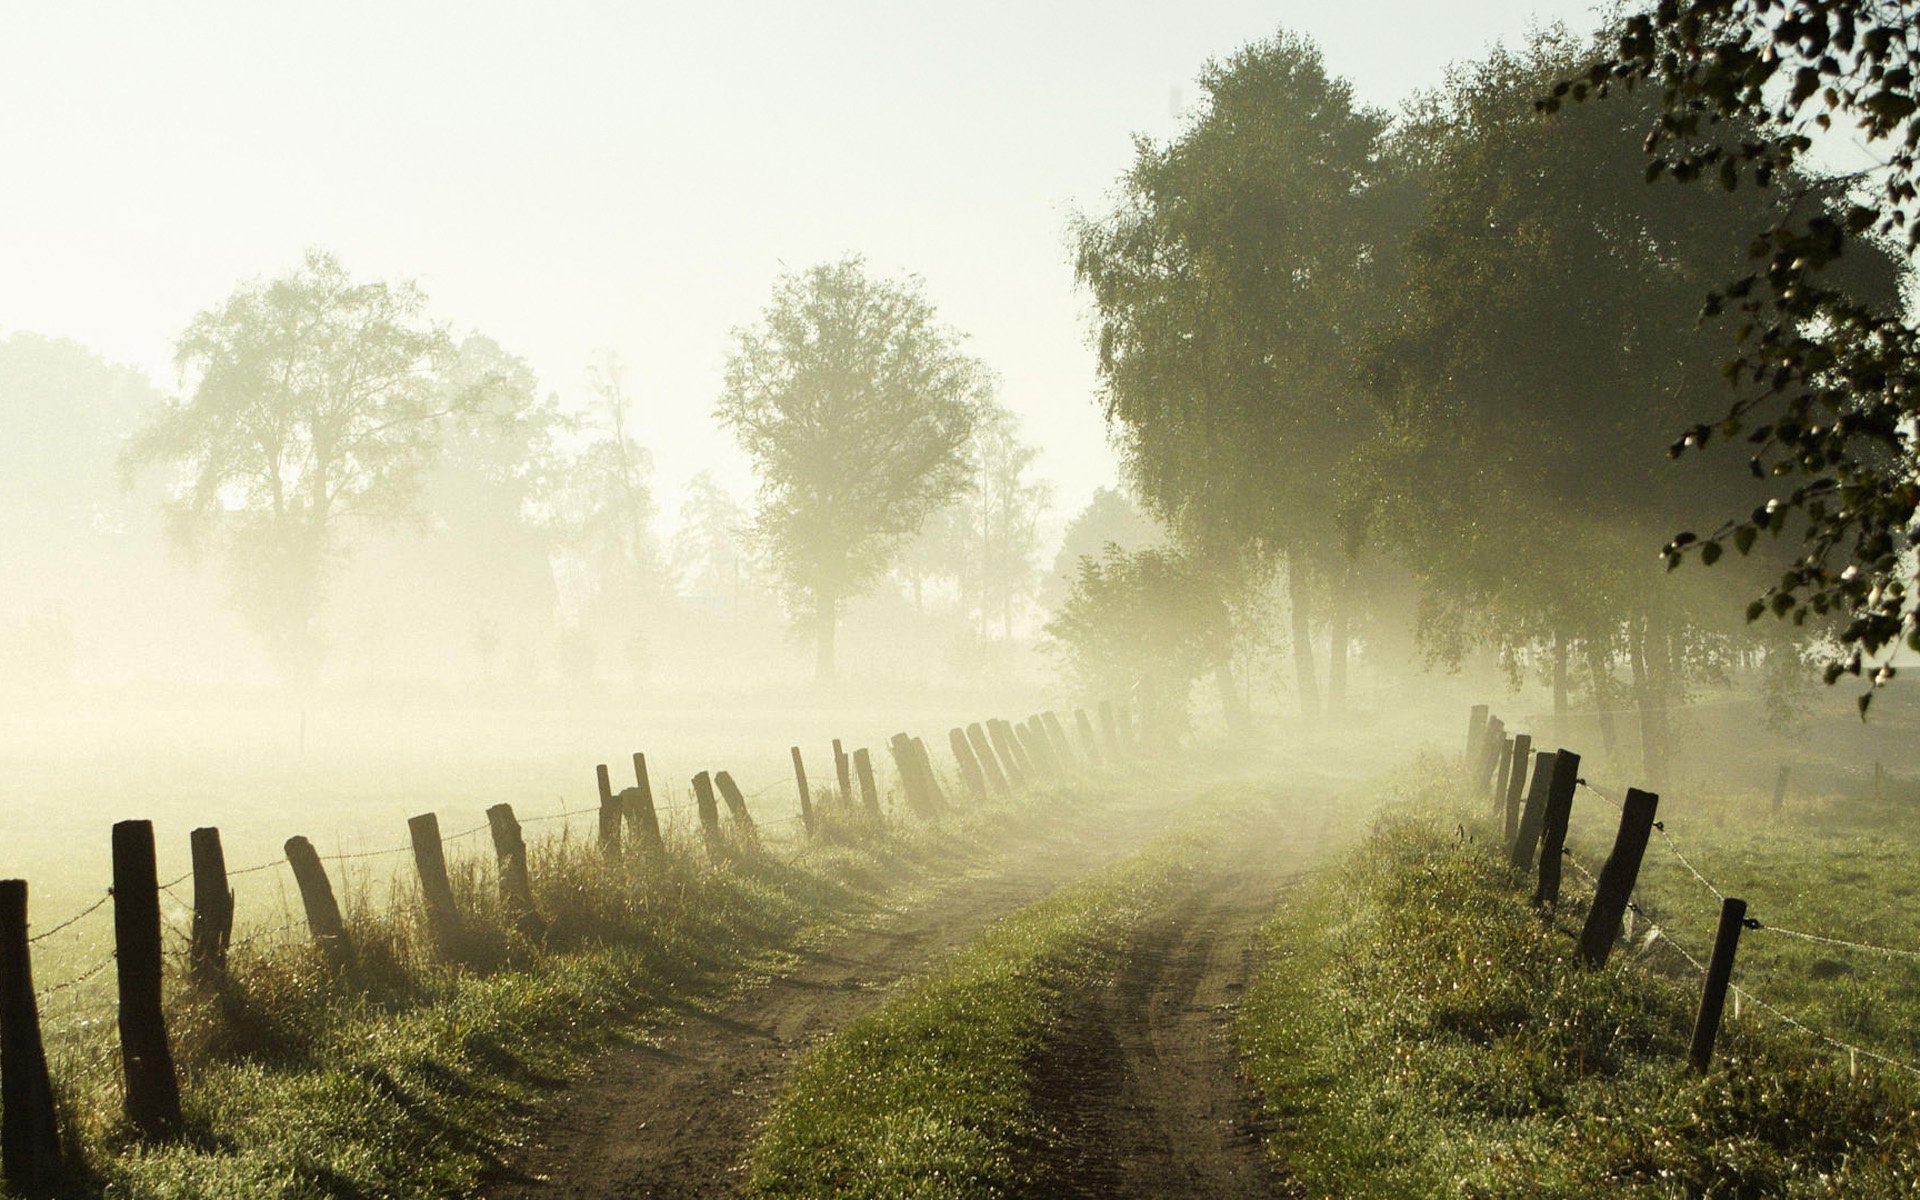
(1143, 1081)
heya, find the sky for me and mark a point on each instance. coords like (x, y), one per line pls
(578, 178)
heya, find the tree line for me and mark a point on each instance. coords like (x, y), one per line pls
(1422, 370)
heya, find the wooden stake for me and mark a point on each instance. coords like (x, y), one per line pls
(1713, 993)
(510, 851)
(152, 1088)
(1003, 747)
(1516, 783)
(1614, 889)
(1534, 816)
(983, 754)
(29, 1130)
(1780, 788)
(1062, 748)
(869, 794)
(212, 907)
(842, 775)
(736, 802)
(641, 816)
(316, 896)
(1501, 771)
(806, 796)
(928, 778)
(609, 814)
(436, 891)
(709, 813)
(1476, 725)
(1553, 832)
(969, 765)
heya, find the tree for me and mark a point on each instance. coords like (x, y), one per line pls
(1144, 624)
(312, 401)
(988, 541)
(1825, 370)
(1231, 287)
(856, 406)
(1109, 519)
(604, 513)
(709, 556)
(1545, 347)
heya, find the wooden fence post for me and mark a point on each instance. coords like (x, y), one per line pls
(709, 813)
(928, 778)
(1534, 815)
(806, 796)
(1713, 993)
(212, 906)
(1476, 725)
(1004, 747)
(1062, 748)
(1516, 784)
(510, 850)
(1780, 788)
(869, 794)
(969, 765)
(906, 763)
(1110, 730)
(609, 814)
(1553, 832)
(983, 754)
(1491, 739)
(842, 775)
(436, 890)
(29, 1130)
(641, 817)
(1089, 745)
(1501, 772)
(152, 1088)
(1613, 891)
(1036, 754)
(1028, 769)
(736, 801)
(316, 896)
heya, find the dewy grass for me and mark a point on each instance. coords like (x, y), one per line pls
(932, 1095)
(1416, 1031)
(397, 1074)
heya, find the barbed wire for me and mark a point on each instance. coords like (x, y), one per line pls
(73, 920)
(55, 989)
(1794, 1022)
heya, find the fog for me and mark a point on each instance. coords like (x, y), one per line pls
(528, 500)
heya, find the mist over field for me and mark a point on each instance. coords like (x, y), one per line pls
(425, 408)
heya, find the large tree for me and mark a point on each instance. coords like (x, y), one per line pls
(1547, 345)
(1231, 286)
(1825, 372)
(857, 406)
(311, 400)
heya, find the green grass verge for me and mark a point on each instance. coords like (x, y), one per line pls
(932, 1095)
(1417, 1031)
(402, 1075)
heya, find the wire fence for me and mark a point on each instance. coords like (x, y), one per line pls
(1658, 934)
(563, 815)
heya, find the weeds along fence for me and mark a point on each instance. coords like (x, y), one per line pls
(994, 758)
(1532, 794)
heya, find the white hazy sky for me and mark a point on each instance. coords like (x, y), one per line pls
(568, 177)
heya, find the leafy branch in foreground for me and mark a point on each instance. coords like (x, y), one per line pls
(1826, 368)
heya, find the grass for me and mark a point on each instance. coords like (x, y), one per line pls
(1416, 1030)
(933, 1094)
(402, 1074)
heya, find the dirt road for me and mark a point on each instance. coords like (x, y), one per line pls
(673, 1119)
(1142, 1080)
(1146, 1094)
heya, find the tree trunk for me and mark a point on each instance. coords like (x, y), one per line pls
(1339, 636)
(1661, 663)
(1600, 675)
(1647, 699)
(826, 616)
(1559, 687)
(1298, 588)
